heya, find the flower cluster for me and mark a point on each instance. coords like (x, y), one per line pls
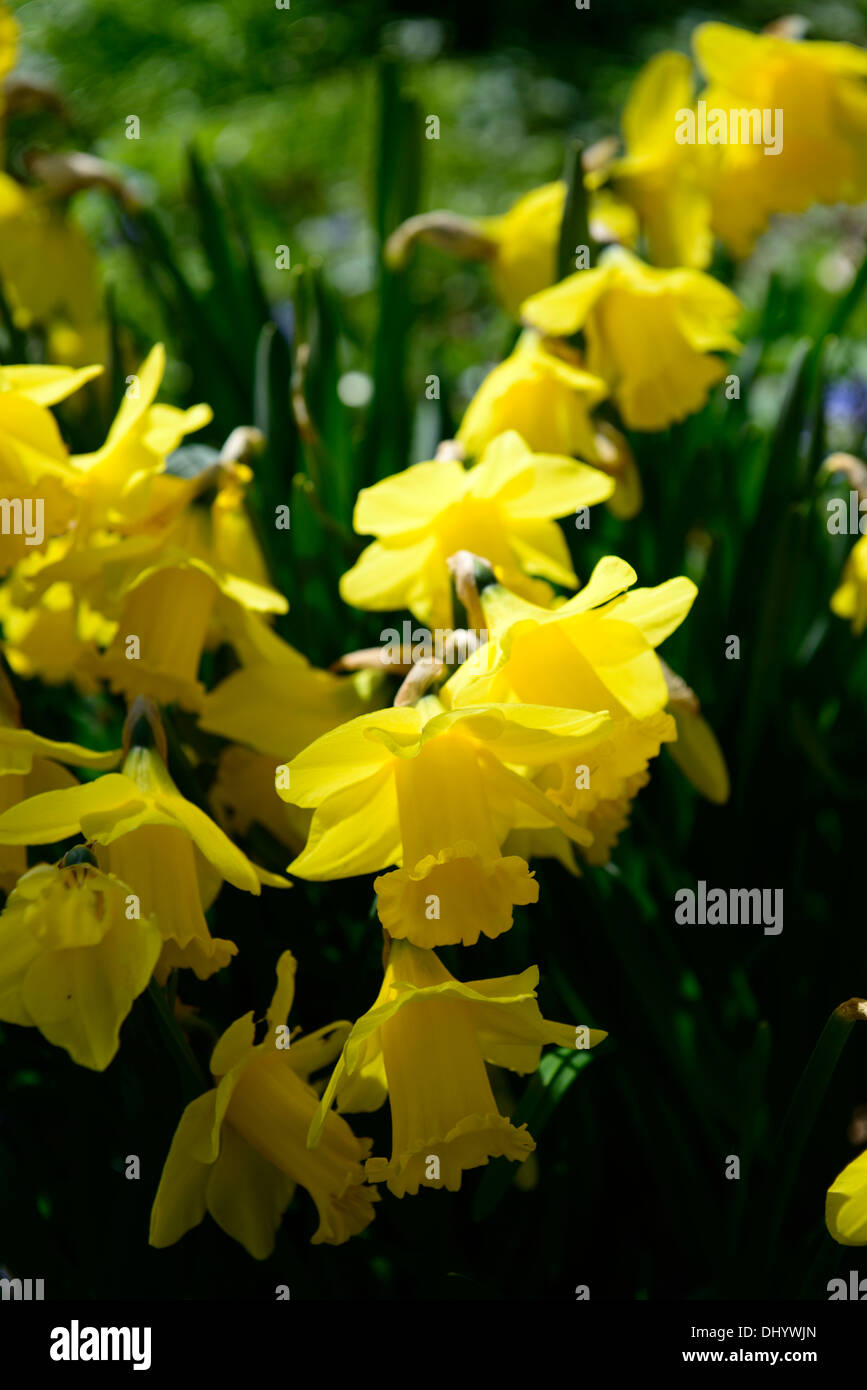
(134, 575)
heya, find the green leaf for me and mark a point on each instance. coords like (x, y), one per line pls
(400, 148)
(575, 228)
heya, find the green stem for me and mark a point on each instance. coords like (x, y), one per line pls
(193, 1081)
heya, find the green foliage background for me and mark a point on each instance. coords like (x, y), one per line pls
(304, 127)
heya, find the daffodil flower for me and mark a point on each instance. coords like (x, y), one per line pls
(526, 240)
(424, 1044)
(846, 1204)
(648, 333)
(503, 508)
(74, 954)
(818, 89)
(172, 607)
(437, 793)
(527, 237)
(597, 652)
(543, 396)
(153, 839)
(519, 245)
(240, 1149)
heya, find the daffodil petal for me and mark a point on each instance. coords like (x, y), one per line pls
(79, 998)
(659, 611)
(349, 754)
(354, 832)
(246, 1195)
(846, 1204)
(407, 501)
(56, 815)
(284, 991)
(180, 1202)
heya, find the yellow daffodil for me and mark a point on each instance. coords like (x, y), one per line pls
(172, 610)
(520, 245)
(425, 1043)
(526, 239)
(543, 392)
(813, 99)
(660, 178)
(648, 332)
(435, 792)
(240, 1149)
(74, 954)
(115, 486)
(846, 1204)
(503, 508)
(599, 644)
(544, 395)
(153, 839)
(850, 599)
(597, 652)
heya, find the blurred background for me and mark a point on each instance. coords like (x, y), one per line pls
(304, 128)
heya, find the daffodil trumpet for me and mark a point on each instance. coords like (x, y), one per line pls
(425, 1045)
